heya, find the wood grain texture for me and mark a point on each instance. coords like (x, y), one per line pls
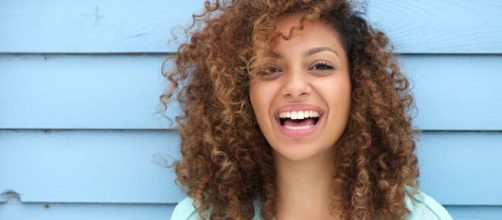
(61, 26)
(122, 92)
(129, 166)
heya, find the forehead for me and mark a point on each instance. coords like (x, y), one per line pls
(314, 33)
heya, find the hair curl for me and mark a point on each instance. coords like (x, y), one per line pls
(226, 162)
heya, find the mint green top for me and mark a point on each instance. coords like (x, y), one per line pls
(421, 207)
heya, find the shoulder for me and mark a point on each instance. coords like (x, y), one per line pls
(184, 210)
(422, 206)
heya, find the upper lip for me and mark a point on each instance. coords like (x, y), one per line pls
(298, 107)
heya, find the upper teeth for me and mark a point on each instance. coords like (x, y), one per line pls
(299, 114)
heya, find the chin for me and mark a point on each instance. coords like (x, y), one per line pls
(297, 152)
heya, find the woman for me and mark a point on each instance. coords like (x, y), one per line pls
(294, 110)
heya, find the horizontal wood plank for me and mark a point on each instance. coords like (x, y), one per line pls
(61, 26)
(456, 92)
(79, 211)
(82, 92)
(448, 26)
(121, 92)
(127, 166)
(475, 212)
(89, 166)
(461, 168)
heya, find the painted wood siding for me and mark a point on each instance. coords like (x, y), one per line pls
(79, 84)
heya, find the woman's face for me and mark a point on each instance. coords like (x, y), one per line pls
(302, 100)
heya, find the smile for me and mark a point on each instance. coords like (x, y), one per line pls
(298, 120)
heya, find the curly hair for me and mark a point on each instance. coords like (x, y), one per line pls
(226, 162)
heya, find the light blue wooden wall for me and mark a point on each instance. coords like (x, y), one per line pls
(79, 87)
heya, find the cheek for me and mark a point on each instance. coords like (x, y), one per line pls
(338, 95)
(261, 95)
(257, 98)
(344, 102)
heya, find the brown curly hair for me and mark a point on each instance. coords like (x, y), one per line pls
(226, 162)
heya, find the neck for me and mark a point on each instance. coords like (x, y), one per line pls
(304, 187)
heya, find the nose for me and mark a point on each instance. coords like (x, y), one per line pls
(296, 85)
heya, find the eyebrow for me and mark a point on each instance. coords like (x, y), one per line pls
(317, 50)
(309, 52)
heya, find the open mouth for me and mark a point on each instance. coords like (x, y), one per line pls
(297, 123)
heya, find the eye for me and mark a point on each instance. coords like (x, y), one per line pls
(270, 70)
(321, 65)
(274, 69)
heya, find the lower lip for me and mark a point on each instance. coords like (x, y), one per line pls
(299, 132)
